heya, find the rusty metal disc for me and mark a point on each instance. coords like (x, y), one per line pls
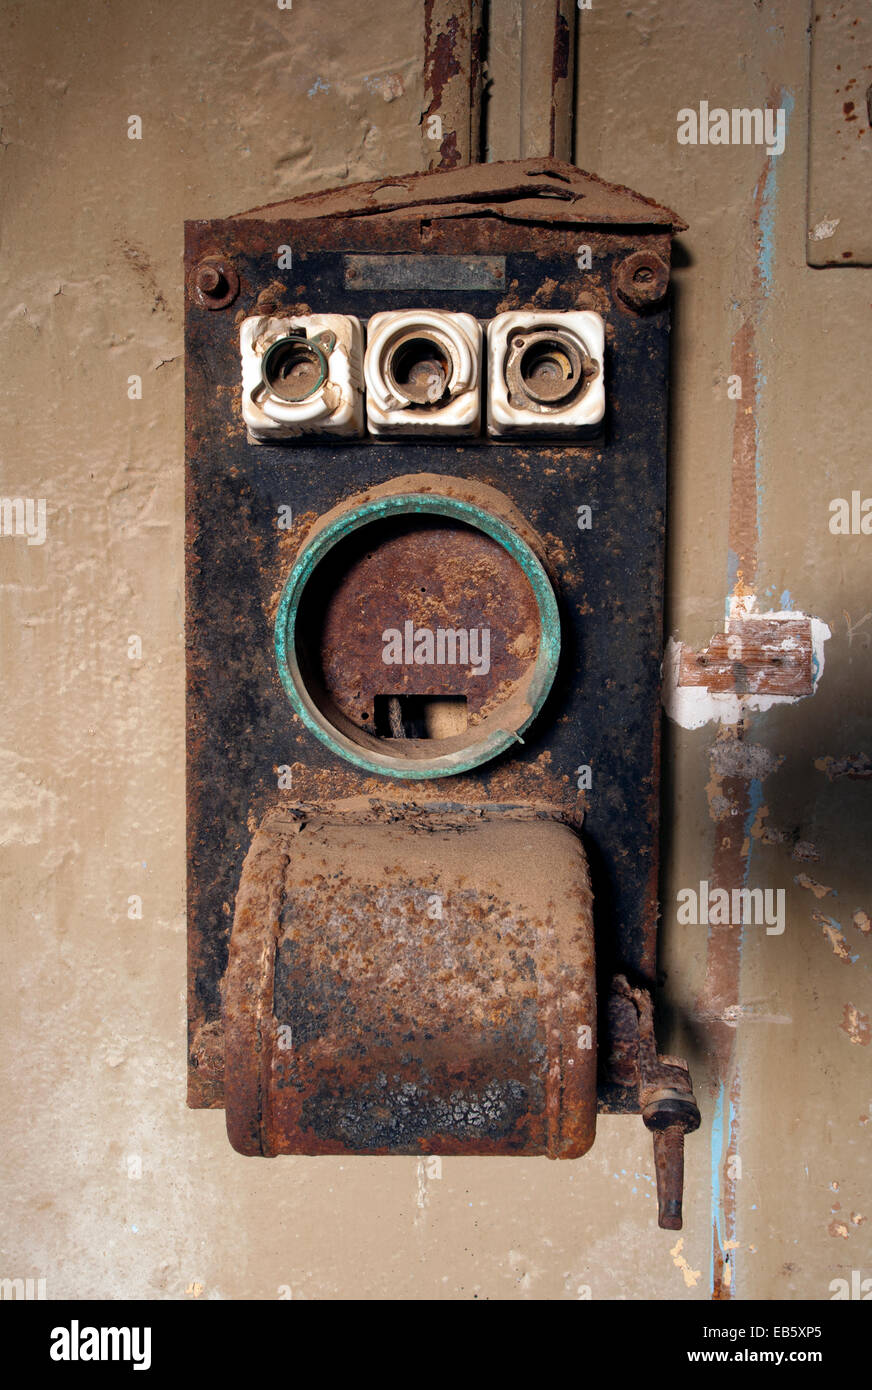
(417, 635)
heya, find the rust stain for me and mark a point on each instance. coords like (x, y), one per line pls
(452, 78)
(743, 486)
(559, 73)
(441, 62)
(560, 61)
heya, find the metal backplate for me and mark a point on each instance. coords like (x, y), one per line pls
(603, 711)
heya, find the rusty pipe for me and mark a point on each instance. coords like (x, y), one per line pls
(453, 49)
(547, 72)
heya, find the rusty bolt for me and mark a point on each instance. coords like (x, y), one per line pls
(214, 283)
(641, 280)
(210, 281)
(670, 1114)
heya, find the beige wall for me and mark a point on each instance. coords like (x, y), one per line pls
(243, 103)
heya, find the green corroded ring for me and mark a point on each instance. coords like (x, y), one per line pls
(274, 353)
(364, 754)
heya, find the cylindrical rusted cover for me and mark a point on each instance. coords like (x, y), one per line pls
(412, 980)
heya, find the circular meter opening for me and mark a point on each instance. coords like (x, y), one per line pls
(417, 636)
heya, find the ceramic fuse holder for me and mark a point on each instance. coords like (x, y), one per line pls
(545, 372)
(423, 373)
(302, 376)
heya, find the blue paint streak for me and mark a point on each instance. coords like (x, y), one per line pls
(786, 602)
(732, 574)
(765, 265)
(767, 212)
(717, 1149)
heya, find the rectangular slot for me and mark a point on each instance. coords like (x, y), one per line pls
(420, 716)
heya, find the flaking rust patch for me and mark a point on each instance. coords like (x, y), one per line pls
(856, 1024)
(835, 936)
(857, 767)
(691, 1276)
(759, 660)
(820, 890)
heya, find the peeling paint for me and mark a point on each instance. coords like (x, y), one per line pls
(835, 936)
(856, 1024)
(691, 1276)
(820, 890)
(824, 229)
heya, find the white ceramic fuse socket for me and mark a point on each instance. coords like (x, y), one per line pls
(423, 373)
(545, 372)
(302, 375)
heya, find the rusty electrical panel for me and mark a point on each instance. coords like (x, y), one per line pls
(426, 490)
